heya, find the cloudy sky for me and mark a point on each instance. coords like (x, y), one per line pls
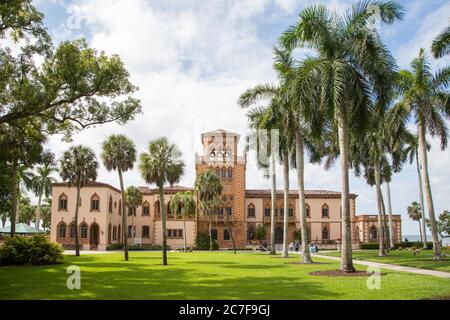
(193, 58)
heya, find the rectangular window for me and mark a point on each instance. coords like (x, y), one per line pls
(175, 233)
(229, 211)
(251, 213)
(325, 212)
(146, 210)
(267, 212)
(230, 173)
(145, 232)
(281, 212)
(291, 212)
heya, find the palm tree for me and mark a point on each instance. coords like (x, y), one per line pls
(352, 64)
(208, 189)
(41, 184)
(133, 198)
(157, 166)
(412, 152)
(415, 213)
(441, 45)
(183, 204)
(119, 153)
(426, 99)
(78, 166)
(264, 119)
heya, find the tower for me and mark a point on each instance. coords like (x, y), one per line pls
(220, 155)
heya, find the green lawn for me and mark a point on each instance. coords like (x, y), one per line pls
(202, 275)
(403, 258)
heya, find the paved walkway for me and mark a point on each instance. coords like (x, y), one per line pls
(435, 273)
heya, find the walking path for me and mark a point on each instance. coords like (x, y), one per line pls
(435, 273)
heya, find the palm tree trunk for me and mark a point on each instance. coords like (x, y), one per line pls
(132, 227)
(428, 195)
(3, 221)
(299, 152)
(231, 234)
(385, 224)
(124, 217)
(38, 210)
(346, 254)
(14, 192)
(391, 220)
(285, 253)
(420, 230)
(273, 204)
(184, 232)
(381, 251)
(422, 204)
(77, 235)
(210, 233)
(164, 223)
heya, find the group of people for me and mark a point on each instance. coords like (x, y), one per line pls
(296, 246)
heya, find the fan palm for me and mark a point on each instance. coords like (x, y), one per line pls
(157, 166)
(352, 63)
(425, 98)
(41, 184)
(208, 189)
(133, 198)
(183, 204)
(415, 213)
(119, 153)
(78, 166)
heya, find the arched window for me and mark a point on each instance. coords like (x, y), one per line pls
(325, 234)
(230, 173)
(251, 211)
(62, 202)
(373, 233)
(120, 207)
(115, 233)
(226, 235)
(95, 203)
(168, 211)
(110, 205)
(308, 211)
(229, 211)
(72, 230)
(218, 173)
(357, 238)
(325, 211)
(62, 227)
(224, 173)
(84, 230)
(146, 209)
(119, 233)
(214, 234)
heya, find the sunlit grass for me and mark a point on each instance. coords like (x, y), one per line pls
(204, 275)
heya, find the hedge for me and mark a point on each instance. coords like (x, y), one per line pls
(144, 247)
(418, 245)
(37, 250)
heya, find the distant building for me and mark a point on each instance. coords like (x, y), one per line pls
(100, 218)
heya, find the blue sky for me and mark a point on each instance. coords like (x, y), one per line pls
(192, 59)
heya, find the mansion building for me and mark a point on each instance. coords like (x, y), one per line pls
(100, 210)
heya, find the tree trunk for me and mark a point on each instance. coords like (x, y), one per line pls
(3, 221)
(273, 203)
(184, 232)
(14, 192)
(428, 195)
(38, 210)
(381, 251)
(133, 233)
(77, 235)
(420, 230)
(346, 254)
(299, 151)
(124, 217)
(422, 204)
(231, 233)
(385, 224)
(210, 232)
(391, 220)
(285, 253)
(162, 208)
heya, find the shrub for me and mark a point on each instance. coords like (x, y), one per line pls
(370, 246)
(37, 250)
(203, 242)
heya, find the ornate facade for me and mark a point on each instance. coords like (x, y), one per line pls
(245, 210)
